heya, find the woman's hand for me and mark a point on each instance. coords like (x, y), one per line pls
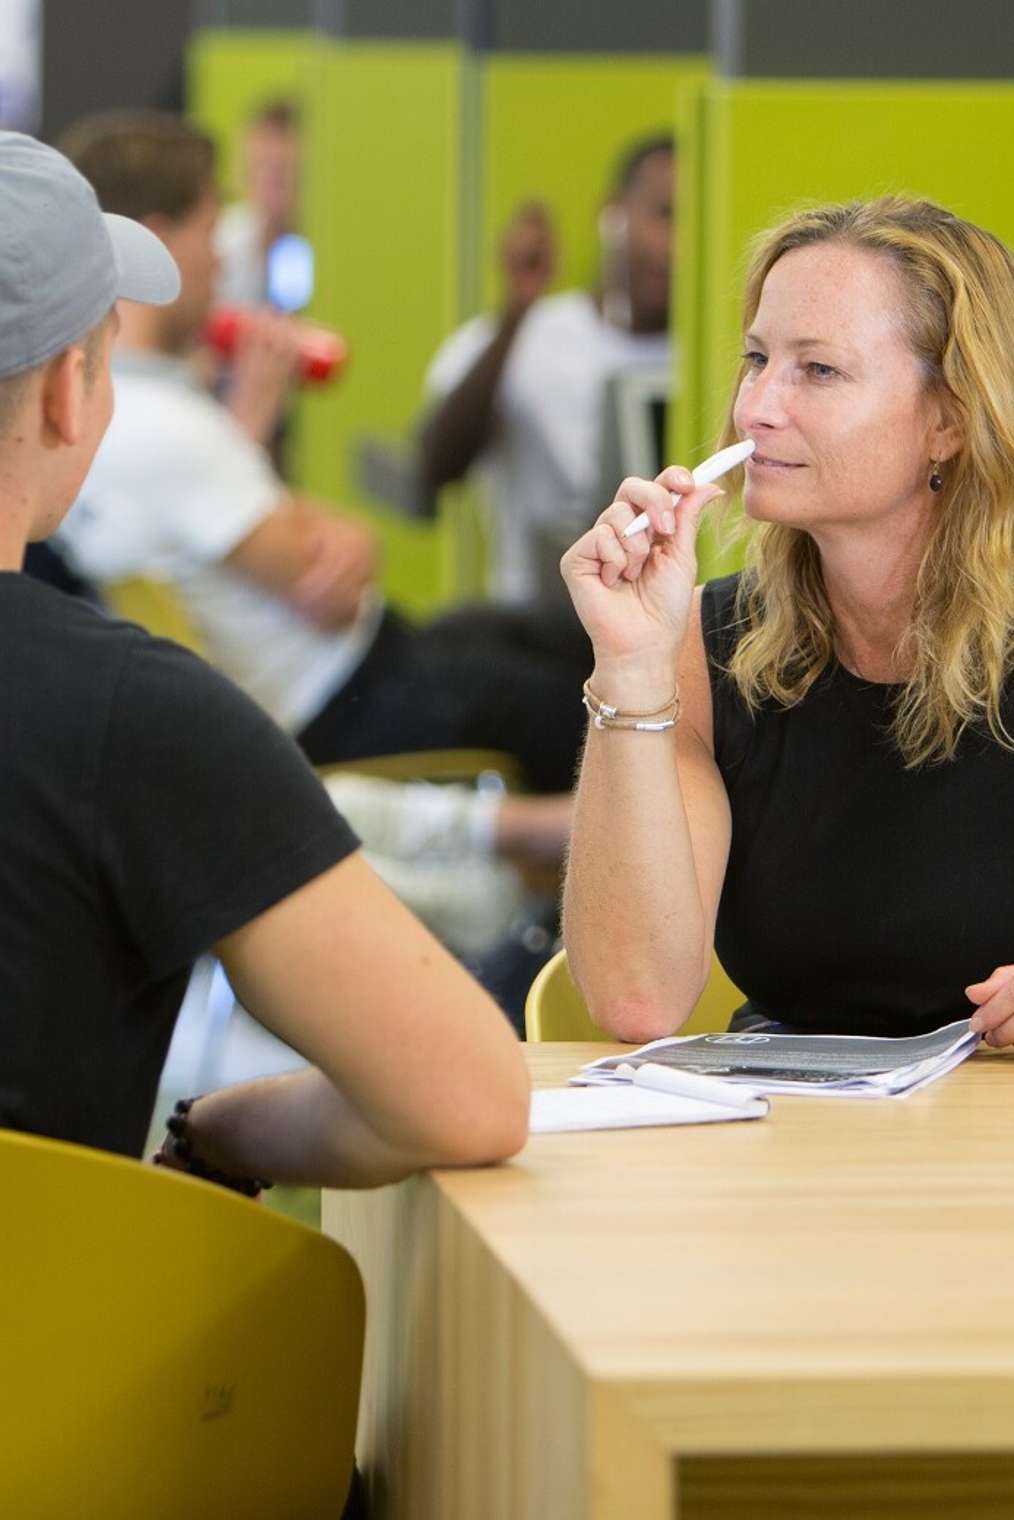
(633, 594)
(994, 1018)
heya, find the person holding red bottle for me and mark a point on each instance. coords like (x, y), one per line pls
(281, 587)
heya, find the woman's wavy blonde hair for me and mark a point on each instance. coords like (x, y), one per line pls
(958, 316)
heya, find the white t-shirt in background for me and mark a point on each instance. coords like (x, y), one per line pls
(542, 468)
(175, 487)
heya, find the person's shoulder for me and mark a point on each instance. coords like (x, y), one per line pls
(565, 310)
(459, 351)
(166, 404)
(44, 618)
(236, 227)
(179, 452)
(61, 661)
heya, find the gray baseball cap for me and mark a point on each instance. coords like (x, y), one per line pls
(64, 261)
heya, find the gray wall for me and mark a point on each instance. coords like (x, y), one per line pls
(865, 39)
(99, 54)
(590, 26)
(103, 53)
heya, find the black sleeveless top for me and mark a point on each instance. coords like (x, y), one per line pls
(859, 898)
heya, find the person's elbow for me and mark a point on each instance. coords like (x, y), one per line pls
(636, 1015)
(491, 1122)
(634, 1021)
(436, 465)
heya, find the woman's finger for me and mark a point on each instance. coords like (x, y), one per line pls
(649, 497)
(995, 997)
(688, 517)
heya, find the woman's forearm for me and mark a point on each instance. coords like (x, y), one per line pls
(635, 927)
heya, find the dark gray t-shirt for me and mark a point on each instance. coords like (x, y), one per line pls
(149, 808)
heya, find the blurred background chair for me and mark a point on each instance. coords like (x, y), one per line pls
(169, 1347)
(555, 1009)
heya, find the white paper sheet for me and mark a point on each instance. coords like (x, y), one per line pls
(557, 1109)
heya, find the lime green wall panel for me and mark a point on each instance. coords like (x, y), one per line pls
(553, 128)
(382, 202)
(382, 208)
(771, 146)
(691, 266)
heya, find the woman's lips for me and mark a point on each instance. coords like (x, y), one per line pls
(765, 462)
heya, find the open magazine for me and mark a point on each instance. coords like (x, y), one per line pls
(840, 1066)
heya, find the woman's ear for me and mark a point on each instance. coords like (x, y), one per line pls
(948, 433)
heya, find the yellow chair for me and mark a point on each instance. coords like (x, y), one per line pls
(168, 1348)
(157, 606)
(555, 1009)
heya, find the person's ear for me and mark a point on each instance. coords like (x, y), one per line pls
(63, 394)
(948, 434)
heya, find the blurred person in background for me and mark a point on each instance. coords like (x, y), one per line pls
(269, 209)
(518, 395)
(265, 268)
(280, 587)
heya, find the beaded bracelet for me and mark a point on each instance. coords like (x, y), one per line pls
(180, 1146)
(655, 721)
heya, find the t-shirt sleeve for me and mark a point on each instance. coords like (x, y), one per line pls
(456, 356)
(207, 813)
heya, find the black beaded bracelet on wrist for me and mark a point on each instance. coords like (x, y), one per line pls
(180, 1146)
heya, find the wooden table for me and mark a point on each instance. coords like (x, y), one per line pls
(810, 1315)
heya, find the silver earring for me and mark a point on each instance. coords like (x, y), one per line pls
(936, 480)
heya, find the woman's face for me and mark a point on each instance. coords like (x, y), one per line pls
(834, 398)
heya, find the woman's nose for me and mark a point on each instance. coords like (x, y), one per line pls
(762, 401)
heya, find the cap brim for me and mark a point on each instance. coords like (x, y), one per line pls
(145, 269)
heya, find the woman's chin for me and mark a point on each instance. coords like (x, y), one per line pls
(765, 506)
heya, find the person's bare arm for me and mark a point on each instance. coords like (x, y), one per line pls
(415, 1065)
(647, 861)
(262, 374)
(651, 824)
(318, 562)
(462, 424)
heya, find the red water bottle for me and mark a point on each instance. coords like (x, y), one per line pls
(323, 353)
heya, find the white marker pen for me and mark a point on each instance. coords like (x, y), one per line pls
(719, 464)
(690, 1084)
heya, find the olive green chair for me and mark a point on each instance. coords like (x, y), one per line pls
(555, 1009)
(169, 1348)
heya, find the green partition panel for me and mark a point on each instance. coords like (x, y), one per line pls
(686, 425)
(385, 154)
(553, 127)
(383, 183)
(766, 147)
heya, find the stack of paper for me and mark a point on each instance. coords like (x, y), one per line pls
(649, 1095)
(814, 1065)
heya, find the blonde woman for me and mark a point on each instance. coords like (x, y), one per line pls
(825, 787)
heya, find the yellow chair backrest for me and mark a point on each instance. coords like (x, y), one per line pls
(157, 606)
(463, 765)
(168, 1348)
(555, 1009)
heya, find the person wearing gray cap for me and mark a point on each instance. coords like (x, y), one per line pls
(153, 812)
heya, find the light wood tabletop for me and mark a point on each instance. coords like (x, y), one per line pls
(807, 1314)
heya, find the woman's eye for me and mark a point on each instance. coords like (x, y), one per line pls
(754, 360)
(821, 371)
